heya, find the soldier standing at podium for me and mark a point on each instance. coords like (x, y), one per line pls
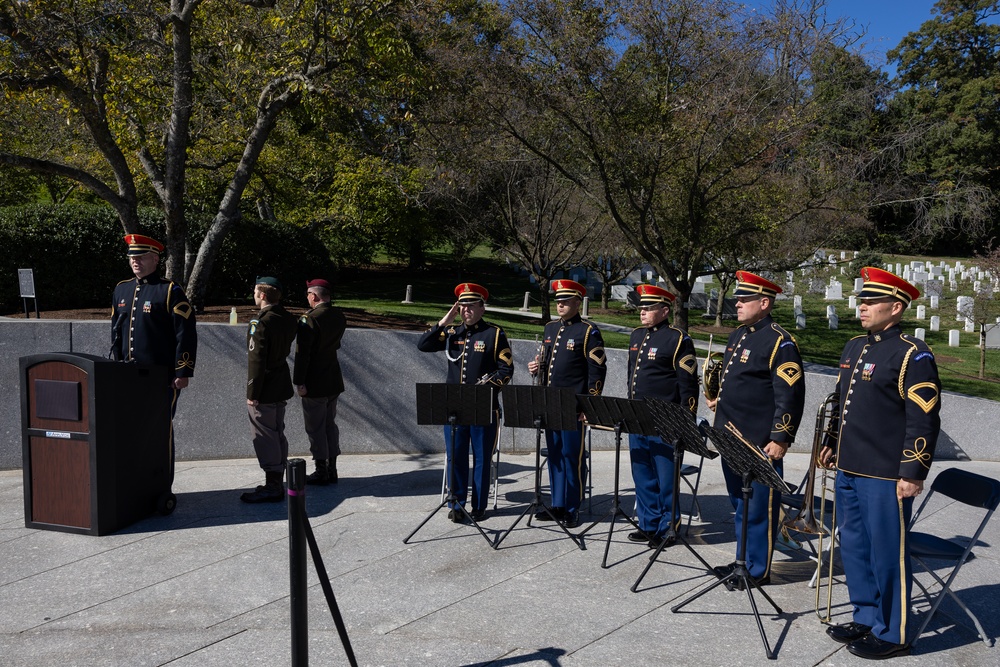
(572, 356)
(662, 364)
(152, 322)
(478, 353)
(269, 386)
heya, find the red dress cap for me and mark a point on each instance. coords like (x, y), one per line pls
(140, 245)
(650, 295)
(469, 292)
(319, 282)
(567, 289)
(750, 284)
(879, 283)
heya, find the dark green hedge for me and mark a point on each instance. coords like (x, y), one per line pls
(78, 255)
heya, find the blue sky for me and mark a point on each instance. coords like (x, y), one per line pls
(887, 22)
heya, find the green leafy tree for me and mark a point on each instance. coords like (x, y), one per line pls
(169, 100)
(949, 75)
(692, 124)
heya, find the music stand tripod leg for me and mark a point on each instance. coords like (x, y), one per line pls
(537, 502)
(450, 496)
(673, 534)
(741, 574)
(616, 509)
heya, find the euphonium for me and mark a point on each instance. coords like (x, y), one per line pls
(711, 373)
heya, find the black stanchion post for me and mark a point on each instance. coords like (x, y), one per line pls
(296, 475)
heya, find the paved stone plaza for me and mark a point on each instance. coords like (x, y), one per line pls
(209, 584)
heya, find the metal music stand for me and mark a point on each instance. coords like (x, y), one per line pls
(624, 416)
(675, 424)
(528, 406)
(456, 405)
(749, 461)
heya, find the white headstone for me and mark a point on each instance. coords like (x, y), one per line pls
(834, 291)
(970, 326)
(831, 311)
(921, 312)
(899, 269)
(953, 337)
(964, 305)
(834, 321)
(698, 287)
(800, 320)
(859, 284)
(919, 333)
(993, 338)
(843, 254)
(798, 301)
(852, 301)
(790, 277)
(934, 302)
(935, 323)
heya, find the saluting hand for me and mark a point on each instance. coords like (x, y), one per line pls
(447, 319)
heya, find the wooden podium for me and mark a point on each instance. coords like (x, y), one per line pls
(95, 442)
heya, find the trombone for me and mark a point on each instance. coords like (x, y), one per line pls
(806, 521)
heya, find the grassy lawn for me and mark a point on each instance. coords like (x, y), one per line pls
(382, 289)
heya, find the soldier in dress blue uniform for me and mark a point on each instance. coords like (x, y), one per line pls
(152, 322)
(662, 364)
(889, 420)
(269, 386)
(478, 353)
(318, 379)
(572, 356)
(762, 394)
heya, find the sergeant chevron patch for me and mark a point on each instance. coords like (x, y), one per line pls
(925, 395)
(790, 372)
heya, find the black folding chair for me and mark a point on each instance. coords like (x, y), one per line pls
(970, 489)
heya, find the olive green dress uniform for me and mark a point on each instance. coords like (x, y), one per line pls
(320, 331)
(269, 382)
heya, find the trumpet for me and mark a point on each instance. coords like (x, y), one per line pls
(536, 379)
(827, 428)
(711, 373)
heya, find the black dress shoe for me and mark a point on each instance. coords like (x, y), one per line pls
(657, 540)
(723, 571)
(639, 536)
(571, 518)
(871, 647)
(478, 515)
(455, 516)
(738, 584)
(848, 632)
(555, 514)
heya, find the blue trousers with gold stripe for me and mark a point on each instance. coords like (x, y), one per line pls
(762, 520)
(483, 440)
(875, 551)
(653, 476)
(567, 469)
